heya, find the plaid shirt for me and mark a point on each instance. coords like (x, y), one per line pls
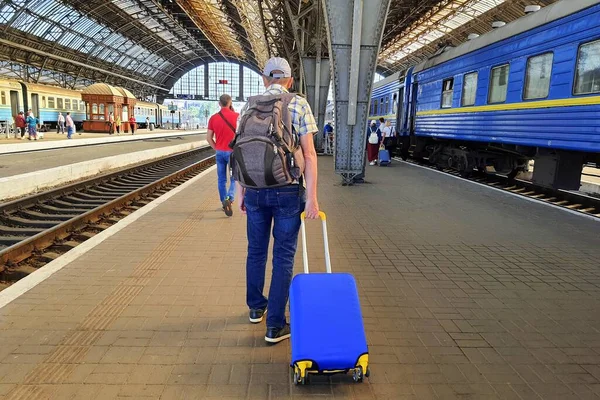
(302, 116)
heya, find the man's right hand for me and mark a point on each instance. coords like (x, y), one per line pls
(242, 206)
(311, 209)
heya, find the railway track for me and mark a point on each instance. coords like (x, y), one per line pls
(574, 201)
(37, 229)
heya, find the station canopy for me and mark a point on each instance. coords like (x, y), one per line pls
(147, 45)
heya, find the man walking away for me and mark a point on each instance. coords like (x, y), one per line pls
(70, 126)
(221, 130)
(278, 206)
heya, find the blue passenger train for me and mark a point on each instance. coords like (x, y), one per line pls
(528, 90)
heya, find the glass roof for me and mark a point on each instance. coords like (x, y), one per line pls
(57, 22)
(434, 27)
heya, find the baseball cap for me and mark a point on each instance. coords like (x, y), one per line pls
(277, 64)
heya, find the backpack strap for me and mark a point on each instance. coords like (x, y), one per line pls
(227, 122)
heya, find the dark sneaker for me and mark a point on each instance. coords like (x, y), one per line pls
(276, 335)
(257, 315)
(227, 207)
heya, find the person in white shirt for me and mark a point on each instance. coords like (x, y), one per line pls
(61, 124)
(387, 134)
(70, 126)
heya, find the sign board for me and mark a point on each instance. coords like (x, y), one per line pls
(173, 107)
(223, 81)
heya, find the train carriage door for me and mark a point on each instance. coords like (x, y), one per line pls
(35, 104)
(413, 107)
(399, 109)
(15, 105)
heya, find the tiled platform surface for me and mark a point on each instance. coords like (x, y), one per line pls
(467, 293)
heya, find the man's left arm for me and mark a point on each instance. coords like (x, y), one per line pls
(308, 128)
(310, 175)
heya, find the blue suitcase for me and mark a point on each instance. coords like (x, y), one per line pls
(327, 332)
(384, 158)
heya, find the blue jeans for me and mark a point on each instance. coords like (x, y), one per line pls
(282, 208)
(69, 132)
(222, 163)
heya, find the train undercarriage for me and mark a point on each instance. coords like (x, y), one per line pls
(553, 168)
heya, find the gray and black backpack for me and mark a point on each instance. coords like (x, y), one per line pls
(266, 148)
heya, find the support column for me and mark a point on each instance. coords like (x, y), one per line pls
(353, 50)
(310, 79)
(206, 81)
(241, 82)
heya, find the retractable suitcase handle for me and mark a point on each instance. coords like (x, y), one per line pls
(323, 218)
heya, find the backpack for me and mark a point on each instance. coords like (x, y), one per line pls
(373, 138)
(266, 149)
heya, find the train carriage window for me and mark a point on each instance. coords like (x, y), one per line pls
(587, 75)
(67, 104)
(3, 98)
(395, 103)
(387, 106)
(498, 84)
(376, 107)
(381, 105)
(51, 103)
(447, 92)
(537, 77)
(43, 101)
(59, 103)
(469, 90)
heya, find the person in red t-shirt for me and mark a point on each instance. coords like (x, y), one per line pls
(132, 124)
(221, 130)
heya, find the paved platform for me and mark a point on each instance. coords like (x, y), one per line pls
(21, 163)
(467, 293)
(53, 140)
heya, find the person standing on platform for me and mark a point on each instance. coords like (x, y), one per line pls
(32, 122)
(21, 124)
(60, 128)
(279, 208)
(387, 134)
(70, 126)
(148, 123)
(222, 125)
(111, 123)
(327, 138)
(118, 124)
(132, 124)
(373, 141)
